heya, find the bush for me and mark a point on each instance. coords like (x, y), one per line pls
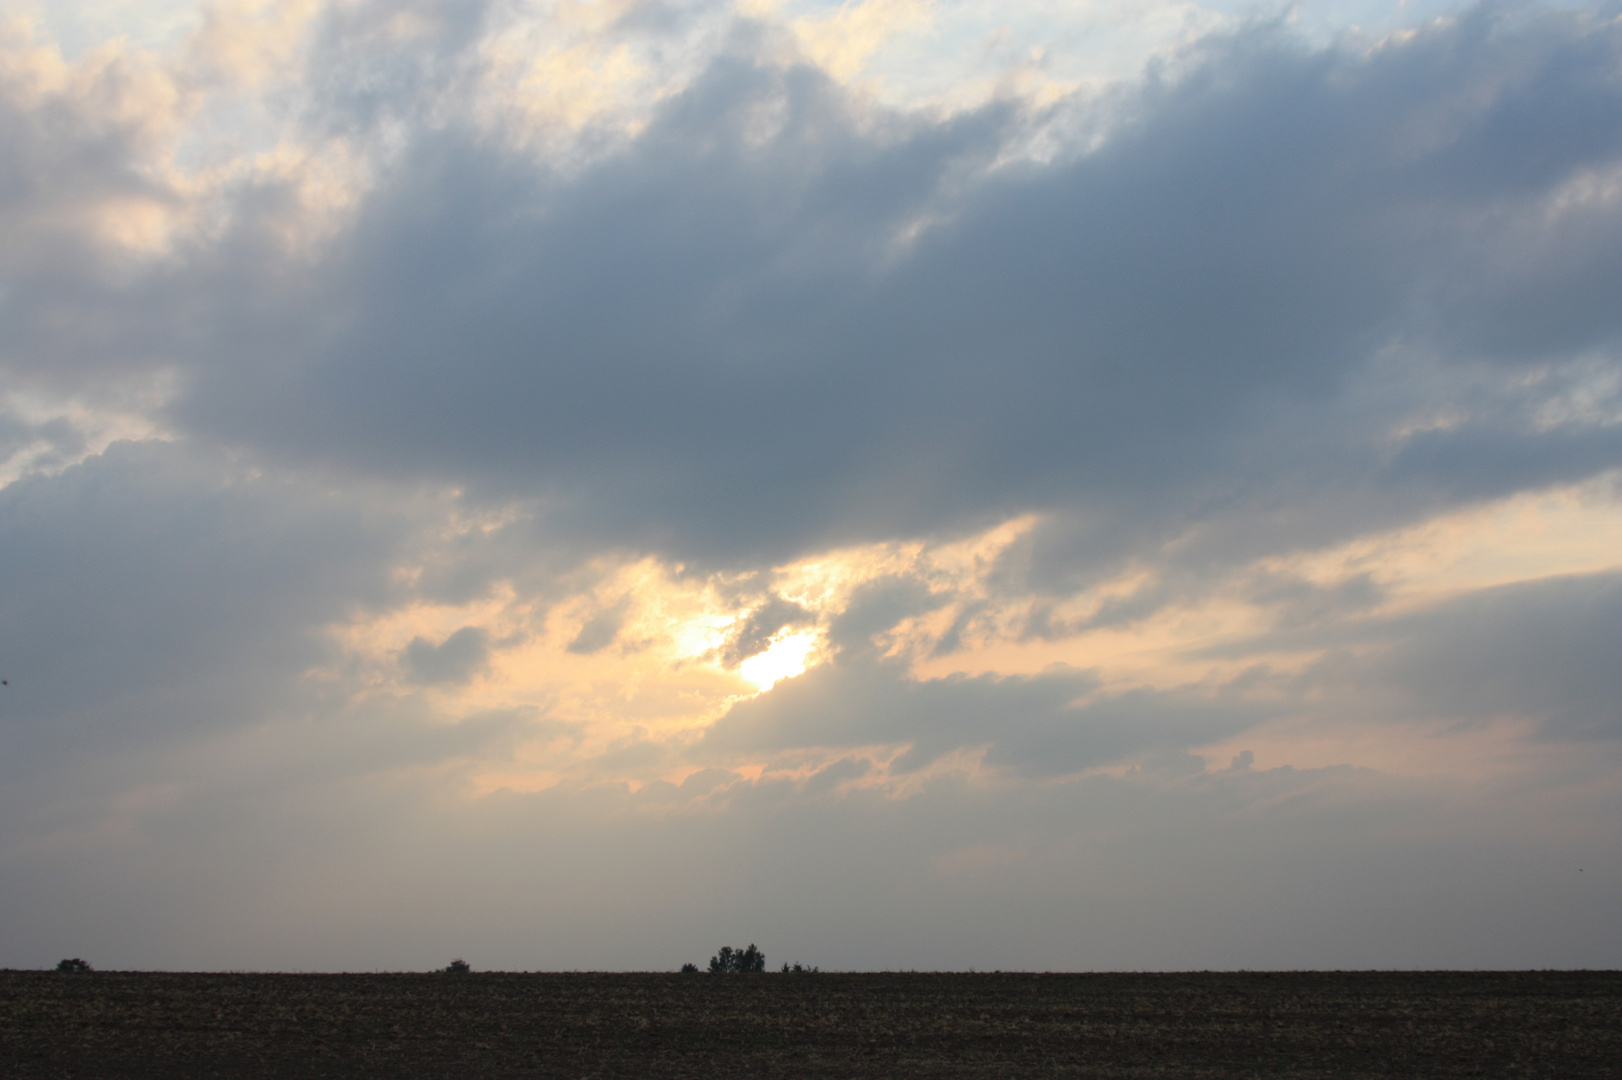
(798, 969)
(731, 961)
(72, 965)
(689, 969)
(458, 967)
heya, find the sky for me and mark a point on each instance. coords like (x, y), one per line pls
(912, 485)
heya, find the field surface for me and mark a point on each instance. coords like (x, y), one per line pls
(1422, 1025)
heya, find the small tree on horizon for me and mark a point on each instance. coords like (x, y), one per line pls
(72, 965)
(457, 967)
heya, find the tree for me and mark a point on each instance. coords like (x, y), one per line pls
(458, 967)
(689, 969)
(72, 965)
(731, 961)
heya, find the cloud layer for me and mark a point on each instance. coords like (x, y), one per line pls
(557, 451)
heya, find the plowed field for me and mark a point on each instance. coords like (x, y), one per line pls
(1429, 1025)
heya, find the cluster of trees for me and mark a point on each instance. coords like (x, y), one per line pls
(737, 961)
(72, 965)
(730, 961)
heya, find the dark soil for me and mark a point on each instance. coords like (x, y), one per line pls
(1355, 1024)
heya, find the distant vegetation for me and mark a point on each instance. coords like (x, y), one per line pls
(72, 965)
(731, 961)
(457, 967)
(751, 960)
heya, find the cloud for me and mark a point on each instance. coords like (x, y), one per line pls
(1043, 725)
(153, 595)
(780, 319)
(454, 660)
(756, 632)
(1539, 650)
(599, 631)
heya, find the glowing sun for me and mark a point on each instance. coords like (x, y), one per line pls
(786, 658)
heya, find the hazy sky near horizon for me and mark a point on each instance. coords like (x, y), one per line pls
(1052, 485)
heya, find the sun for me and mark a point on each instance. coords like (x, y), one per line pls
(785, 658)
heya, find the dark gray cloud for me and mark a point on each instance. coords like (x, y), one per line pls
(878, 606)
(1171, 328)
(152, 595)
(715, 341)
(1544, 650)
(1040, 725)
(599, 631)
(1541, 650)
(756, 630)
(456, 659)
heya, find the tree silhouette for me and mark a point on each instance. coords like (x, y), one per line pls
(72, 965)
(730, 961)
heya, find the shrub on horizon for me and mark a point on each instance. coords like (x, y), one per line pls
(457, 967)
(798, 969)
(689, 969)
(72, 965)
